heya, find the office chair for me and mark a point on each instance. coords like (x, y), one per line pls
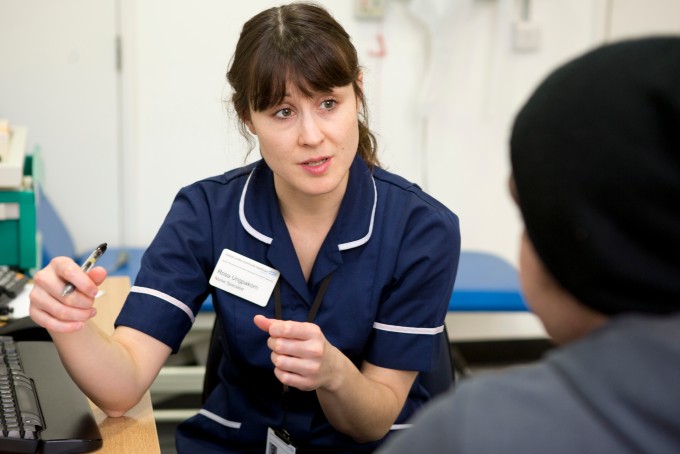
(436, 381)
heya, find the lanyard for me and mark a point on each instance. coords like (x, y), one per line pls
(310, 318)
(315, 305)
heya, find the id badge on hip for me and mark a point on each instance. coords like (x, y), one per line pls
(279, 442)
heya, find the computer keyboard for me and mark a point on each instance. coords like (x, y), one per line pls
(20, 417)
(41, 409)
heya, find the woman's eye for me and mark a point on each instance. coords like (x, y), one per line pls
(283, 113)
(328, 104)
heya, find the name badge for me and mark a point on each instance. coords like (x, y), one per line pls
(278, 442)
(244, 277)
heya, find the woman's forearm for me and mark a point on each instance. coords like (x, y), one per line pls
(364, 404)
(113, 371)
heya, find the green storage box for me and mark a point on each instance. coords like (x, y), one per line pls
(18, 227)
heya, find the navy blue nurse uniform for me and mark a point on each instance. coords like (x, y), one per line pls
(393, 251)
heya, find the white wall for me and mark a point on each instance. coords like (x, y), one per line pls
(58, 79)
(441, 99)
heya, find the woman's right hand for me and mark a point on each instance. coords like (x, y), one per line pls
(58, 313)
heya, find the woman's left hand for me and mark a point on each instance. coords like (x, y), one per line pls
(362, 403)
(302, 356)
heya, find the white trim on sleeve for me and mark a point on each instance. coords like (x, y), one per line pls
(408, 329)
(165, 297)
(219, 419)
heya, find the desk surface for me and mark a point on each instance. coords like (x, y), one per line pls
(136, 431)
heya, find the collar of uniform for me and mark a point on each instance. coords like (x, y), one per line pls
(261, 217)
(259, 211)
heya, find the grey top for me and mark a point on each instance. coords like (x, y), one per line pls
(618, 390)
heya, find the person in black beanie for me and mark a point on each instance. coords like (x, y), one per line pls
(595, 156)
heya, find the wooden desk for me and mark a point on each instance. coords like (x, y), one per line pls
(136, 431)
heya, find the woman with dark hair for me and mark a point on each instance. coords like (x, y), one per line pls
(330, 276)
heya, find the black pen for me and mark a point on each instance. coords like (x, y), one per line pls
(98, 252)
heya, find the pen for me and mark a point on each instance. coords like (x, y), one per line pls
(98, 252)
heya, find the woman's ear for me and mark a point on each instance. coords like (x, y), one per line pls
(360, 84)
(250, 126)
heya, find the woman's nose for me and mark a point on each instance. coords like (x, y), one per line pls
(311, 133)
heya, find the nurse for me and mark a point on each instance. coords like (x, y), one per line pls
(330, 276)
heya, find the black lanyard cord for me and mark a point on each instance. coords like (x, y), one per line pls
(315, 305)
(310, 318)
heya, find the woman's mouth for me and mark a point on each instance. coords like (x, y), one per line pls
(315, 163)
(317, 166)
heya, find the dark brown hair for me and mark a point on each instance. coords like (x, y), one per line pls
(303, 44)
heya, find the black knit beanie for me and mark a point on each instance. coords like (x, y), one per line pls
(595, 156)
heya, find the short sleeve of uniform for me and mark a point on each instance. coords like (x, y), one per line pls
(410, 319)
(173, 279)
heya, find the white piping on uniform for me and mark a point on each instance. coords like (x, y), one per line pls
(408, 329)
(164, 297)
(242, 215)
(401, 426)
(219, 419)
(268, 240)
(360, 241)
